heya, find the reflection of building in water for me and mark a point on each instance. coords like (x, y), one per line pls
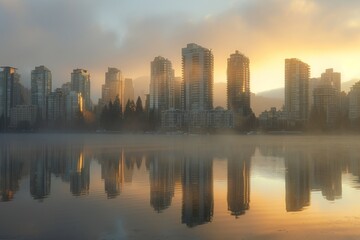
(238, 196)
(112, 171)
(40, 175)
(58, 157)
(139, 157)
(162, 180)
(297, 181)
(10, 174)
(79, 174)
(71, 163)
(353, 165)
(327, 174)
(130, 160)
(197, 180)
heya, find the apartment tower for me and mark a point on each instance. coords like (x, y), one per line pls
(297, 90)
(161, 85)
(198, 78)
(238, 83)
(41, 82)
(80, 83)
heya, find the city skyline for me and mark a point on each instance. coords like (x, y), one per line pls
(107, 39)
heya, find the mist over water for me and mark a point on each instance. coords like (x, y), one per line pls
(110, 186)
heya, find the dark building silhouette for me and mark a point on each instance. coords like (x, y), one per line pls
(238, 83)
(10, 174)
(79, 175)
(296, 91)
(10, 94)
(112, 171)
(162, 180)
(129, 161)
(58, 158)
(197, 184)
(297, 180)
(238, 195)
(327, 170)
(40, 175)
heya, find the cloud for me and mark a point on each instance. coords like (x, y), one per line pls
(65, 34)
(61, 35)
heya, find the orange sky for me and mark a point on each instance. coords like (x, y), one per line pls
(64, 35)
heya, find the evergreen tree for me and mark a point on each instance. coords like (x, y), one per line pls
(139, 115)
(116, 114)
(129, 115)
(139, 106)
(111, 115)
(104, 117)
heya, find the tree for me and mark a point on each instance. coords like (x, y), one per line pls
(139, 106)
(116, 114)
(104, 117)
(129, 115)
(139, 115)
(111, 115)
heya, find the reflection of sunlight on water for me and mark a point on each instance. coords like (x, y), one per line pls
(183, 187)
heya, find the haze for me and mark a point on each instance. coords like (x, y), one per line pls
(64, 35)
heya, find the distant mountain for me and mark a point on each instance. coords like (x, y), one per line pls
(345, 86)
(259, 103)
(273, 93)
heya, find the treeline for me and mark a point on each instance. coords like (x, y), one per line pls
(133, 118)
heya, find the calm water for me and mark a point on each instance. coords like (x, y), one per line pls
(177, 187)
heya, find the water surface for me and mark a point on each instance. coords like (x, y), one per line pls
(93, 186)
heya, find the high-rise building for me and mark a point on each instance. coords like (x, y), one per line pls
(10, 93)
(354, 103)
(80, 82)
(329, 77)
(161, 85)
(56, 106)
(324, 95)
(198, 79)
(313, 83)
(40, 89)
(128, 91)
(113, 86)
(66, 87)
(73, 105)
(238, 83)
(297, 90)
(326, 102)
(23, 116)
(177, 92)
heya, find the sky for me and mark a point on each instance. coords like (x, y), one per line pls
(129, 34)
